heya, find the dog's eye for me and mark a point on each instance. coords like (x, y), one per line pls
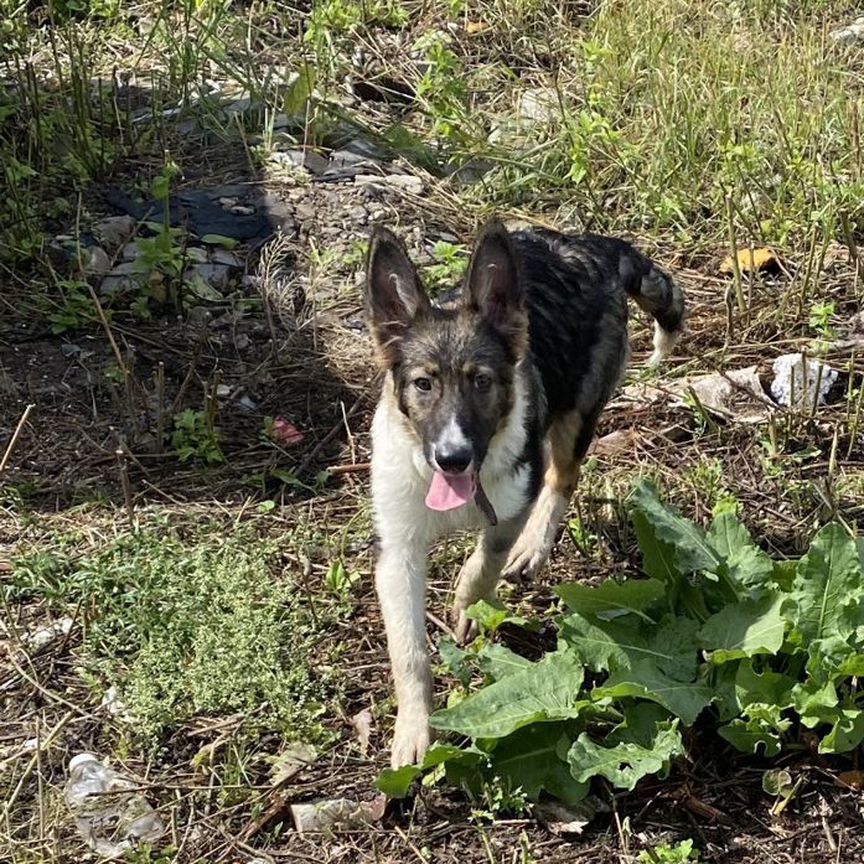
(423, 384)
(483, 382)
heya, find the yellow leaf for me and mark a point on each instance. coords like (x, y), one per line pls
(852, 779)
(750, 261)
(473, 28)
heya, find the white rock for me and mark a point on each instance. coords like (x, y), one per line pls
(790, 386)
(47, 634)
(96, 261)
(849, 35)
(114, 231)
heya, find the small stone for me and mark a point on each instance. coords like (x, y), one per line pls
(198, 316)
(125, 268)
(849, 35)
(114, 231)
(96, 261)
(313, 162)
(238, 106)
(242, 342)
(242, 210)
(196, 254)
(403, 182)
(539, 104)
(306, 212)
(365, 148)
(215, 275)
(218, 255)
(358, 215)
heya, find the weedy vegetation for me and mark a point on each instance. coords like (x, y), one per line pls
(184, 501)
(718, 635)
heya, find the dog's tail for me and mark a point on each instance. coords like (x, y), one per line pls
(658, 295)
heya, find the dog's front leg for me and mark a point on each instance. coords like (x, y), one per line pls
(479, 575)
(400, 580)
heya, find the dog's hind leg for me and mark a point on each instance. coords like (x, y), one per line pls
(568, 440)
(479, 575)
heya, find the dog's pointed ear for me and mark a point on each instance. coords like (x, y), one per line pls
(494, 287)
(394, 295)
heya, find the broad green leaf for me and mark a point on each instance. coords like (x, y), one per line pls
(847, 732)
(534, 758)
(761, 726)
(548, 690)
(219, 240)
(658, 558)
(498, 662)
(689, 547)
(851, 666)
(674, 644)
(609, 645)
(722, 682)
(455, 660)
(640, 723)
(828, 587)
(811, 699)
(298, 92)
(613, 598)
(644, 680)
(600, 645)
(626, 763)
(783, 574)
(395, 783)
(744, 629)
(747, 566)
(769, 687)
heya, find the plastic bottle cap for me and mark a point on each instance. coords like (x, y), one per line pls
(80, 759)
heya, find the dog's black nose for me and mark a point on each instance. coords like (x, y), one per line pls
(453, 461)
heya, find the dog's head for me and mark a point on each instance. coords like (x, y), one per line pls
(453, 369)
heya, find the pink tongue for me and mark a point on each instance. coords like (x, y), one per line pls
(449, 491)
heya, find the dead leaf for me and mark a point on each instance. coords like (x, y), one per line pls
(474, 28)
(619, 441)
(751, 261)
(565, 819)
(329, 813)
(294, 758)
(851, 779)
(734, 395)
(362, 723)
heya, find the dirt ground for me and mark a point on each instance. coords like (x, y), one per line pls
(307, 360)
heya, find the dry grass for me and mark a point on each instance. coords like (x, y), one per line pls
(672, 109)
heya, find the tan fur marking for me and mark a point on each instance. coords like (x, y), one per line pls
(562, 474)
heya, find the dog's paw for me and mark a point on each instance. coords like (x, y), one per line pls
(411, 740)
(526, 559)
(464, 629)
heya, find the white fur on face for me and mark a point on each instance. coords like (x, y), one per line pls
(451, 439)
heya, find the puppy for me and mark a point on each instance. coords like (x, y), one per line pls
(488, 406)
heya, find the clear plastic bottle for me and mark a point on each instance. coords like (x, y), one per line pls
(110, 814)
